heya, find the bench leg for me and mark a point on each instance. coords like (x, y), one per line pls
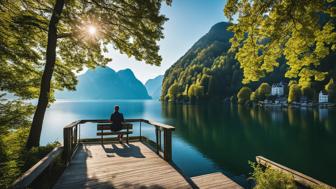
(102, 140)
(127, 135)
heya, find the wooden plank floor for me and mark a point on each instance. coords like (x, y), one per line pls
(119, 166)
(215, 180)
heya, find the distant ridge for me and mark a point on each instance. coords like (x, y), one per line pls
(105, 83)
(154, 86)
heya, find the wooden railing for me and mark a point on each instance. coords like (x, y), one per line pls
(298, 177)
(34, 172)
(72, 137)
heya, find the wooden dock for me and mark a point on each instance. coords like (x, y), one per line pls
(94, 163)
(119, 166)
(215, 180)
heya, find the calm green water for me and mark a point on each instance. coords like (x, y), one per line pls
(219, 137)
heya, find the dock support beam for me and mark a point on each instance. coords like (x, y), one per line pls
(167, 137)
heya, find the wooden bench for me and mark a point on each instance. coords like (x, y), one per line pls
(127, 129)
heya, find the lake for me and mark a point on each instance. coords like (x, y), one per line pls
(220, 137)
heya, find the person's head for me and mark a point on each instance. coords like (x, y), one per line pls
(116, 108)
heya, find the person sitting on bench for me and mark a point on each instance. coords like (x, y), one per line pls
(117, 118)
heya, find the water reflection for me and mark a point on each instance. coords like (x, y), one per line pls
(232, 135)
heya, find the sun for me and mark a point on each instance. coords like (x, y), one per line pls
(92, 30)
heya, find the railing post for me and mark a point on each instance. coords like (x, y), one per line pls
(167, 137)
(71, 141)
(79, 134)
(140, 132)
(127, 134)
(157, 139)
(75, 135)
(66, 145)
(102, 137)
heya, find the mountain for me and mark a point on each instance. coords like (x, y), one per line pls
(208, 71)
(154, 86)
(105, 83)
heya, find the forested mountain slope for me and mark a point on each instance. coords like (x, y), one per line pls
(207, 70)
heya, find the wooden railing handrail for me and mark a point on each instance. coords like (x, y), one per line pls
(155, 124)
(71, 136)
(160, 125)
(31, 174)
(73, 124)
(298, 177)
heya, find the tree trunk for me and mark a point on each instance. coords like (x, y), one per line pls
(36, 127)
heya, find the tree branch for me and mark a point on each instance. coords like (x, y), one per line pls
(64, 35)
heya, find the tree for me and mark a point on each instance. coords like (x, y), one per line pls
(294, 93)
(173, 91)
(253, 97)
(263, 91)
(205, 82)
(308, 92)
(14, 114)
(191, 92)
(301, 31)
(331, 89)
(69, 35)
(195, 91)
(20, 64)
(199, 91)
(244, 95)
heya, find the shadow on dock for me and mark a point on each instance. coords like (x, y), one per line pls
(127, 150)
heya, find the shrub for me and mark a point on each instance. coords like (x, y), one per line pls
(37, 153)
(15, 159)
(271, 178)
(12, 160)
(320, 187)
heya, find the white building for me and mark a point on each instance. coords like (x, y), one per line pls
(323, 98)
(278, 89)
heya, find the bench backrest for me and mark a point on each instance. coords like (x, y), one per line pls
(107, 126)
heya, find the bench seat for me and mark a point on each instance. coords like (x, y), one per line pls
(127, 128)
(115, 133)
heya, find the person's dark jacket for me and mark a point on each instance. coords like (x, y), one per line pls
(117, 119)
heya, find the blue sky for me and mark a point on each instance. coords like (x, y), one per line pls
(188, 21)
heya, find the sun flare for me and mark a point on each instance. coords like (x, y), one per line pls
(92, 30)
